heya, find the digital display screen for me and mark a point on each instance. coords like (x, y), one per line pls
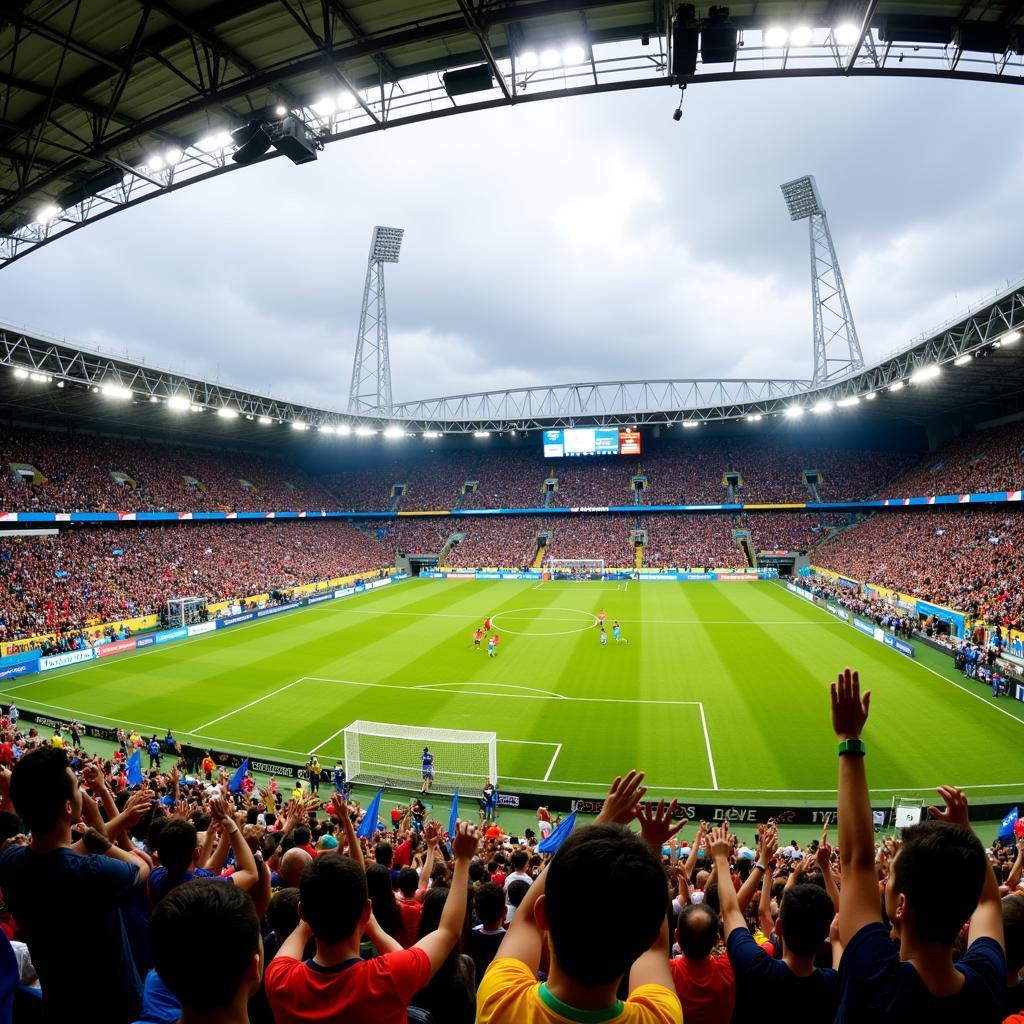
(591, 441)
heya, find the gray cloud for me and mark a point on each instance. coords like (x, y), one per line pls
(584, 239)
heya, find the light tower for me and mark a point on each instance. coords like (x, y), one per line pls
(836, 348)
(371, 368)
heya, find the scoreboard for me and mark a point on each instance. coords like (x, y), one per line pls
(591, 441)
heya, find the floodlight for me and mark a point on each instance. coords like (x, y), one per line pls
(845, 403)
(60, 383)
(529, 60)
(573, 54)
(550, 59)
(179, 403)
(40, 378)
(800, 36)
(481, 433)
(802, 199)
(1009, 339)
(346, 101)
(325, 106)
(280, 110)
(794, 412)
(173, 155)
(117, 392)
(194, 407)
(327, 429)
(925, 374)
(251, 142)
(846, 34)
(299, 425)
(156, 163)
(432, 434)
(776, 37)
(870, 396)
(265, 421)
(897, 386)
(386, 243)
(962, 360)
(226, 413)
(344, 429)
(690, 424)
(822, 407)
(47, 214)
(754, 417)
(20, 374)
(393, 433)
(365, 431)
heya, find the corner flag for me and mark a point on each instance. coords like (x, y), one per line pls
(134, 766)
(559, 836)
(236, 780)
(369, 823)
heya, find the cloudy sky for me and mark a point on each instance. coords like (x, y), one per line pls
(582, 239)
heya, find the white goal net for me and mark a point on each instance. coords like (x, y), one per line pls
(580, 567)
(385, 754)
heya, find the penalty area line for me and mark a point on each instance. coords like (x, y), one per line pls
(707, 744)
(554, 758)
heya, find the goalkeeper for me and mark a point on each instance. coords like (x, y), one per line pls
(427, 764)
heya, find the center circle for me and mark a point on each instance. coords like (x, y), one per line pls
(552, 617)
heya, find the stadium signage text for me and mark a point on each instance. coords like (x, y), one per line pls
(117, 647)
(70, 658)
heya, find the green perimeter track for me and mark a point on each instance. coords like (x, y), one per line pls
(723, 687)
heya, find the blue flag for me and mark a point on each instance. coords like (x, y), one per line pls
(235, 784)
(369, 823)
(1006, 826)
(455, 814)
(559, 836)
(135, 769)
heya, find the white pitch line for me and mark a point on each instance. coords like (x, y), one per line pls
(328, 740)
(507, 686)
(532, 743)
(707, 744)
(258, 700)
(554, 758)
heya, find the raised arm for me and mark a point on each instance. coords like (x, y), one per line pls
(860, 904)
(433, 837)
(823, 858)
(987, 919)
(438, 944)
(719, 847)
(355, 850)
(246, 875)
(768, 842)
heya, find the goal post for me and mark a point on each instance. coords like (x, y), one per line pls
(385, 754)
(576, 568)
(185, 611)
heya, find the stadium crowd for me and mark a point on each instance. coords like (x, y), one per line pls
(965, 558)
(86, 576)
(606, 537)
(691, 539)
(309, 911)
(790, 531)
(77, 474)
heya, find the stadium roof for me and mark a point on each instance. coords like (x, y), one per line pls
(108, 103)
(968, 370)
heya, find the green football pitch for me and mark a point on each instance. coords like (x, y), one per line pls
(723, 687)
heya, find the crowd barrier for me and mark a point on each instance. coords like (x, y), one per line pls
(30, 662)
(979, 498)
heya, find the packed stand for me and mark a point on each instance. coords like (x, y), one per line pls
(510, 479)
(989, 460)
(685, 474)
(318, 911)
(78, 477)
(790, 531)
(86, 576)
(597, 481)
(691, 539)
(409, 536)
(508, 542)
(605, 537)
(364, 487)
(966, 559)
(861, 602)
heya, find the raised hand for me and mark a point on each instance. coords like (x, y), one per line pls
(849, 708)
(656, 823)
(220, 812)
(620, 805)
(718, 842)
(682, 884)
(93, 777)
(465, 840)
(432, 833)
(956, 806)
(769, 844)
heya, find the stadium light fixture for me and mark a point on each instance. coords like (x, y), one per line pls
(346, 101)
(1010, 339)
(173, 155)
(962, 360)
(776, 37)
(156, 163)
(870, 396)
(365, 431)
(344, 429)
(327, 428)
(117, 392)
(529, 60)
(153, 400)
(897, 386)
(195, 407)
(794, 412)
(573, 54)
(846, 34)
(392, 433)
(60, 383)
(265, 421)
(432, 435)
(280, 110)
(20, 374)
(481, 433)
(754, 417)
(800, 36)
(299, 425)
(47, 214)
(822, 407)
(179, 403)
(325, 106)
(925, 374)
(40, 378)
(690, 424)
(226, 413)
(550, 58)
(845, 403)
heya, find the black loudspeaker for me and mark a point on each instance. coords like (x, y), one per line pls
(684, 41)
(982, 37)
(718, 37)
(466, 80)
(907, 28)
(251, 142)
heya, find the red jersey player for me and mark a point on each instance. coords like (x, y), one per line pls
(487, 624)
(477, 637)
(600, 617)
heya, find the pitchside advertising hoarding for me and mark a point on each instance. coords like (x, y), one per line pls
(591, 441)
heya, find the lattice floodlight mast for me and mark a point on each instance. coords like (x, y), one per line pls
(371, 370)
(836, 347)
